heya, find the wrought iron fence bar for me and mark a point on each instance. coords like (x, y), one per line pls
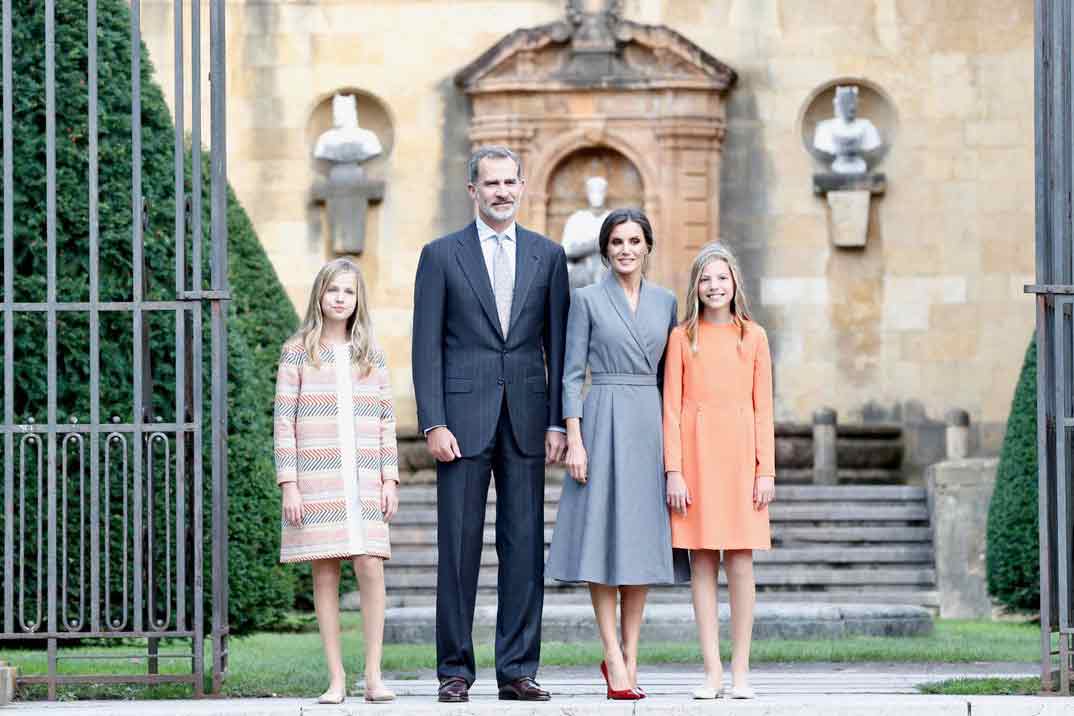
(1062, 402)
(160, 438)
(180, 316)
(1045, 488)
(195, 145)
(52, 669)
(21, 429)
(120, 440)
(50, 288)
(208, 295)
(39, 552)
(218, 308)
(180, 468)
(198, 642)
(117, 657)
(77, 623)
(151, 559)
(99, 634)
(9, 327)
(94, 325)
(179, 151)
(1042, 126)
(61, 679)
(1061, 98)
(137, 208)
(1050, 289)
(120, 306)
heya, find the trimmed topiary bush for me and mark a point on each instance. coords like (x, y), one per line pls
(260, 314)
(1013, 541)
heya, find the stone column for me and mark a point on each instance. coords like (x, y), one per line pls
(825, 463)
(959, 492)
(7, 683)
(690, 164)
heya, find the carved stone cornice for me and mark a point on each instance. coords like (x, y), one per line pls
(594, 51)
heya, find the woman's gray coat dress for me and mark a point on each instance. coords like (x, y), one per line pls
(615, 529)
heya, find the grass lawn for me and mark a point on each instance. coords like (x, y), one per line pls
(292, 664)
(984, 686)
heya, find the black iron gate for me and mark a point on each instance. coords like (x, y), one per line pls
(105, 516)
(1055, 336)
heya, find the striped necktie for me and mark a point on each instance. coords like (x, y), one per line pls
(502, 283)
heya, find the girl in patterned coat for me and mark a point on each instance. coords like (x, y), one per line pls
(336, 462)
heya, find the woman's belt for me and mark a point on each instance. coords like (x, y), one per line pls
(623, 379)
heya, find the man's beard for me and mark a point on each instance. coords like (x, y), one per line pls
(501, 213)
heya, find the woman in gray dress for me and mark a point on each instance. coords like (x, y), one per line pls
(613, 530)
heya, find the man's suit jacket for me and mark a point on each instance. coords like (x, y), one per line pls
(462, 362)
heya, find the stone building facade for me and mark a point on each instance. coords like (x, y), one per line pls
(928, 316)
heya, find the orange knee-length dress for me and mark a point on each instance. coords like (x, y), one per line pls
(718, 431)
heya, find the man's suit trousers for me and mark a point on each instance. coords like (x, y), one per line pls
(462, 493)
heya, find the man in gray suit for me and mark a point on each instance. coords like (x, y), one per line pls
(490, 317)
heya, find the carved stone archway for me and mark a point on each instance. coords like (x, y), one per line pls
(597, 80)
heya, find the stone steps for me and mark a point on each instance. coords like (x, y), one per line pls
(573, 623)
(563, 594)
(842, 543)
(422, 556)
(398, 578)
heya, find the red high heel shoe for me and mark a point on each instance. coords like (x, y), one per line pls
(617, 695)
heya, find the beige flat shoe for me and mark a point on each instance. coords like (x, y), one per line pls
(380, 697)
(742, 692)
(707, 693)
(331, 697)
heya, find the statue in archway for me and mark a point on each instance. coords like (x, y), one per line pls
(347, 192)
(846, 136)
(581, 233)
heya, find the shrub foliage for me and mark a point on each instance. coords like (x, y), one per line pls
(1013, 540)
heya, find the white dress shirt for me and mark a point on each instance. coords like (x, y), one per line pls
(487, 236)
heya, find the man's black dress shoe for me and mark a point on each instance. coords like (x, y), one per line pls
(453, 690)
(523, 689)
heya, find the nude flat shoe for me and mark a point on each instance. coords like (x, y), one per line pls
(331, 697)
(742, 692)
(707, 693)
(380, 697)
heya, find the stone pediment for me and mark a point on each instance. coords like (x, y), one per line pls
(594, 52)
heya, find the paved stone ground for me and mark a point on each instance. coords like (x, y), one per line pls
(793, 689)
(809, 678)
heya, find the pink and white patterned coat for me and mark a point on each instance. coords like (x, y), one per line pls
(335, 437)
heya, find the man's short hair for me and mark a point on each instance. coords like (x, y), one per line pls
(491, 152)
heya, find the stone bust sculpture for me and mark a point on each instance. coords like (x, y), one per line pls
(846, 136)
(347, 192)
(581, 233)
(346, 141)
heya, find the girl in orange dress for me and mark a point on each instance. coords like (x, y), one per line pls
(719, 454)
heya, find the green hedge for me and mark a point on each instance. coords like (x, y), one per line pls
(1013, 540)
(260, 314)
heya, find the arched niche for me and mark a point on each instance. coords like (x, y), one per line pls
(874, 104)
(373, 115)
(565, 188)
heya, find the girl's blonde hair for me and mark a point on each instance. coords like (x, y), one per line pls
(740, 309)
(358, 324)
